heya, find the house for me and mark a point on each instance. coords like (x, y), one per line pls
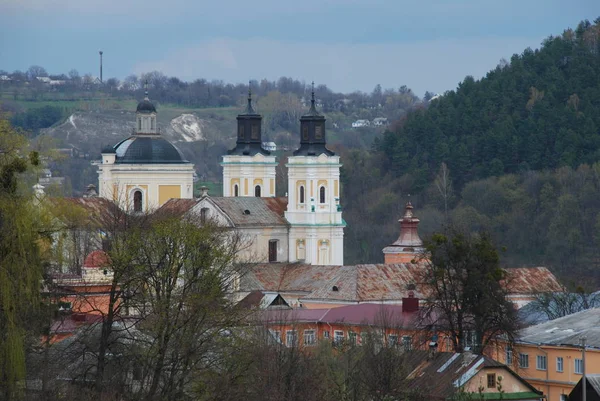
(549, 355)
(270, 146)
(361, 123)
(592, 389)
(5, 78)
(45, 80)
(380, 122)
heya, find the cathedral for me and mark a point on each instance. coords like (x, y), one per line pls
(145, 172)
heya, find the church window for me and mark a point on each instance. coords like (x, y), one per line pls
(236, 190)
(137, 201)
(254, 134)
(319, 132)
(203, 215)
(273, 250)
(257, 191)
(322, 195)
(302, 194)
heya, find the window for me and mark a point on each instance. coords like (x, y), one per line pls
(559, 364)
(241, 131)
(302, 194)
(137, 201)
(523, 360)
(469, 339)
(203, 215)
(310, 337)
(563, 397)
(275, 336)
(236, 190)
(152, 123)
(257, 191)
(305, 133)
(509, 356)
(318, 132)
(407, 343)
(322, 195)
(326, 335)
(273, 250)
(579, 366)
(392, 340)
(254, 134)
(140, 124)
(491, 380)
(363, 338)
(338, 336)
(352, 337)
(291, 339)
(541, 362)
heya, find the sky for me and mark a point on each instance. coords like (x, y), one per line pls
(347, 45)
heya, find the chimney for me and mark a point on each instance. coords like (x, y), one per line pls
(410, 304)
(203, 192)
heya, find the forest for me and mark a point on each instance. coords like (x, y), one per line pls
(515, 153)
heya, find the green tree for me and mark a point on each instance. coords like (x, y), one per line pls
(20, 258)
(467, 296)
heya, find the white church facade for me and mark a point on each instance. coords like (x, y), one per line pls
(145, 172)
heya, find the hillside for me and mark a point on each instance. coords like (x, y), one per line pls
(519, 147)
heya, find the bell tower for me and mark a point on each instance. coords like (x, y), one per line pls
(248, 169)
(409, 245)
(314, 210)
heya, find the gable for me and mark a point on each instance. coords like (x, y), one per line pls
(214, 213)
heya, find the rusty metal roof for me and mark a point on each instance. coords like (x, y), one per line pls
(531, 280)
(371, 282)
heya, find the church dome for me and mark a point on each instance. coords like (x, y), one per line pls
(146, 107)
(147, 150)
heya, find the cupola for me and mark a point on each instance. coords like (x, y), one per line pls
(409, 245)
(146, 116)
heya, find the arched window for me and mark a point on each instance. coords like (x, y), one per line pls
(322, 195)
(152, 123)
(302, 194)
(140, 124)
(236, 190)
(257, 191)
(137, 201)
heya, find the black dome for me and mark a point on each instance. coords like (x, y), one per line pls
(147, 150)
(146, 106)
(108, 149)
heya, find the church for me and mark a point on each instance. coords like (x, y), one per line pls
(145, 172)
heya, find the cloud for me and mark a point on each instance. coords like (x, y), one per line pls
(435, 65)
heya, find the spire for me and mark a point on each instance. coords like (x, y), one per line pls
(312, 131)
(249, 130)
(249, 110)
(409, 245)
(146, 90)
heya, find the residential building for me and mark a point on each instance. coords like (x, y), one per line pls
(549, 355)
(361, 123)
(380, 122)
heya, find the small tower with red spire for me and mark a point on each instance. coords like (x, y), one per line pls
(409, 245)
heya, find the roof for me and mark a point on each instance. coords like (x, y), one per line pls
(363, 314)
(531, 280)
(146, 107)
(357, 283)
(535, 311)
(566, 330)
(592, 387)
(368, 282)
(96, 259)
(147, 150)
(241, 211)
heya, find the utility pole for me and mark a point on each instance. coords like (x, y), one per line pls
(101, 52)
(583, 379)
